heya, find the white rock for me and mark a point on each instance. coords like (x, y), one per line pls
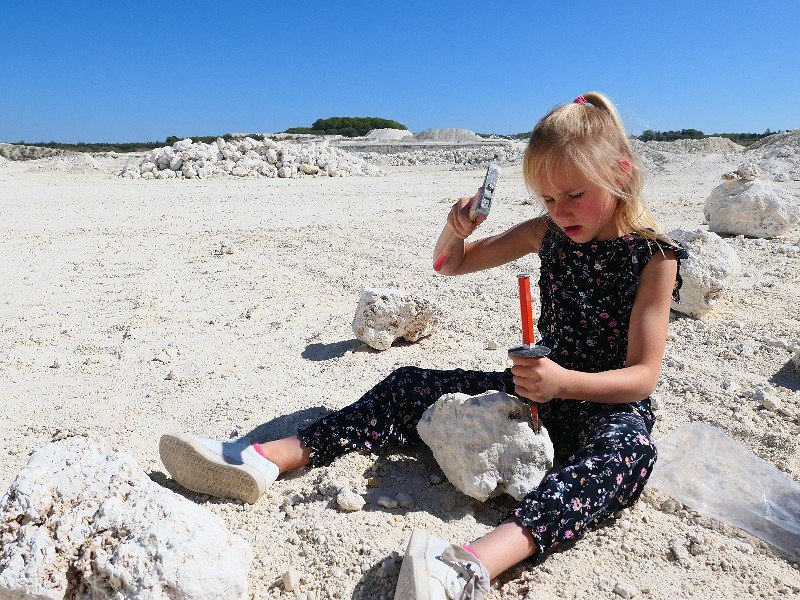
(81, 511)
(753, 208)
(309, 169)
(485, 444)
(712, 266)
(747, 171)
(796, 360)
(781, 177)
(404, 500)
(349, 501)
(182, 144)
(384, 315)
(624, 590)
(387, 502)
(291, 580)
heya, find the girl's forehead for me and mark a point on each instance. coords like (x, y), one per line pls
(562, 178)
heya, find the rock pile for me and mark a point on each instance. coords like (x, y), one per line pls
(777, 157)
(469, 156)
(451, 135)
(82, 520)
(485, 445)
(384, 315)
(249, 157)
(389, 134)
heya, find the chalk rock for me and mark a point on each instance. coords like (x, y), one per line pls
(712, 265)
(349, 501)
(182, 144)
(796, 360)
(753, 208)
(82, 520)
(384, 315)
(388, 134)
(485, 444)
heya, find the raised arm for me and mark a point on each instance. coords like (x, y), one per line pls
(489, 252)
(542, 380)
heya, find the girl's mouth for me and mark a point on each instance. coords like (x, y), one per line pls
(572, 229)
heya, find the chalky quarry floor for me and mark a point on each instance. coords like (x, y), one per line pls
(120, 315)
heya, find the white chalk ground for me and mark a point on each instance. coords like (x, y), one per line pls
(100, 274)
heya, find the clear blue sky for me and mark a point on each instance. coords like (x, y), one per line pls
(136, 71)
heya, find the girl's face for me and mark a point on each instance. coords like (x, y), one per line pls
(583, 210)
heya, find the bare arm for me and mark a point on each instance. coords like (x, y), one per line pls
(542, 379)
(489, 252)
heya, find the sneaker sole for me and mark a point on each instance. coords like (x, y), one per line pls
(198, 469)
(412, 582)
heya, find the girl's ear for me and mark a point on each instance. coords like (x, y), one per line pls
(625, 166)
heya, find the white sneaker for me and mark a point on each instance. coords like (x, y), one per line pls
(226, 469)
(434, 569)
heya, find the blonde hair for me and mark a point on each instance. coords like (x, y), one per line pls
(588, 135)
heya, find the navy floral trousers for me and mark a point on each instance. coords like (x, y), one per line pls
(603, 452)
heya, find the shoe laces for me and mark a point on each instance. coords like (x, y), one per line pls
(469, 569)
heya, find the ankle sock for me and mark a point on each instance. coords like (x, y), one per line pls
(471, 550)
(260, 450)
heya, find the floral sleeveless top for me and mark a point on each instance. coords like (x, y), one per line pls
(587, 293)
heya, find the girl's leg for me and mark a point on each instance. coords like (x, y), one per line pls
(287, 453)
(388, 414)
(606, 474)
(504, 546)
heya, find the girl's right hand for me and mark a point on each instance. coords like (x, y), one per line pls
(458, 220)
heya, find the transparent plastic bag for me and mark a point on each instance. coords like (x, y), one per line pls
(707, 470)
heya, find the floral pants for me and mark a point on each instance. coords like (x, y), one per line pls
(603, 452)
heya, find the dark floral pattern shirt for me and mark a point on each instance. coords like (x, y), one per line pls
(587, 293)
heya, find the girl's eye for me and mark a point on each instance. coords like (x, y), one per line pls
(549, 200)
(574, 197)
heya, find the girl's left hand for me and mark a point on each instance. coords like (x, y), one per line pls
(538, 379)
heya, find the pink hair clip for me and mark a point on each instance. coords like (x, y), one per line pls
(580, 100)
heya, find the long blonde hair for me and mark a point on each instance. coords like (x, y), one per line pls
(588, 135)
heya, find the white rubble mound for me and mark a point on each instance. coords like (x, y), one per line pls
(712, 266)
(248, 157)
(384, 315)
(388, 134)
(485, 445)
(778, 156)
(753, 208)
(452, 135)
(82, 520)
(474, 156)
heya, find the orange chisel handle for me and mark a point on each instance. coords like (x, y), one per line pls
(526, 311)
(526, 308)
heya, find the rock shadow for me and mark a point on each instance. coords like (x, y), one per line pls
(320, 352)
(788, 376)
(287, 425)
(380, 580)
(409, 471)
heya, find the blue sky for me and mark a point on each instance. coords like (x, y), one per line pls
(112, 71)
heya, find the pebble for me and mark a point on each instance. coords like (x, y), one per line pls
(55, 365)
(436, 479)
(349, 501)
(404, 500)
(492, 345)
(387, 502)
(625, 590)
(291, 580)
(171, 376)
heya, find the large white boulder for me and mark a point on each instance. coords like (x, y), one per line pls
(82, 520)
(485, 444)
(753, 208)
(389, 134)
(711, 267)
(384, 315)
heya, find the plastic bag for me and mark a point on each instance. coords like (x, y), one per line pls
(707, 470)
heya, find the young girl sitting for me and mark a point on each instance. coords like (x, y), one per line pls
(606, 281)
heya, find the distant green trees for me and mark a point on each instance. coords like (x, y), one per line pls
(347, 126)
(745, 139)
